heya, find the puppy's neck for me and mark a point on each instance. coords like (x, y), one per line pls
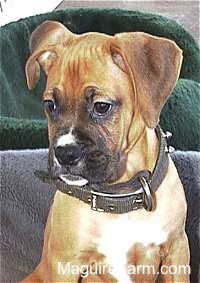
(143, 155)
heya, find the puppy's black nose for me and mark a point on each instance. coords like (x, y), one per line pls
(68, 154)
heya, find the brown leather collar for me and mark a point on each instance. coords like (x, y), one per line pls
(123, 197)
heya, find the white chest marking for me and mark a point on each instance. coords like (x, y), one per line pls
(119, 236)
(66, 139)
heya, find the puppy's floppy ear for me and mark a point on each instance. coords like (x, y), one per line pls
(42, 45)
(154, 65)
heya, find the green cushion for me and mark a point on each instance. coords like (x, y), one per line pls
(23, 133)
(23, 124)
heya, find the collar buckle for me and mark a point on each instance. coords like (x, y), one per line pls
(94, 201)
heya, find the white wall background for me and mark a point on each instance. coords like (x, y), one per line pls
(13, 10)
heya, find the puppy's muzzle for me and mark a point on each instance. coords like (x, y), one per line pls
(68, 155)
(75, 154)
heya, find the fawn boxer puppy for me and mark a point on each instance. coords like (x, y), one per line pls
(120, 204)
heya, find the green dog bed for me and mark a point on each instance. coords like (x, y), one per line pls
(23, 124)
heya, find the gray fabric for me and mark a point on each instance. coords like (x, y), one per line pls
(25, 203)
(24, 210)
(188, 167)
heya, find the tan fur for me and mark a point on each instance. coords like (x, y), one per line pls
(74, 233)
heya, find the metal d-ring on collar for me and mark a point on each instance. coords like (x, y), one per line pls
(148, 199)
(137, 193)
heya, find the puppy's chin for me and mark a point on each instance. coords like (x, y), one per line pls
(111, 175)
(88, 172)
(74, 178)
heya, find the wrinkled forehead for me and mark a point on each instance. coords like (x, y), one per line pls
(84, 60)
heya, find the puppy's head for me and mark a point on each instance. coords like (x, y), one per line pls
(101, 92)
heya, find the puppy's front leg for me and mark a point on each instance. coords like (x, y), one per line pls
(71, 272)
(175, 267)
(33, 277)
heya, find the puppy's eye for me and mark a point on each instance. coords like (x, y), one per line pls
(102, 108)
(49, 106)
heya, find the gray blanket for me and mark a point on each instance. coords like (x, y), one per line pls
(25, 203)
